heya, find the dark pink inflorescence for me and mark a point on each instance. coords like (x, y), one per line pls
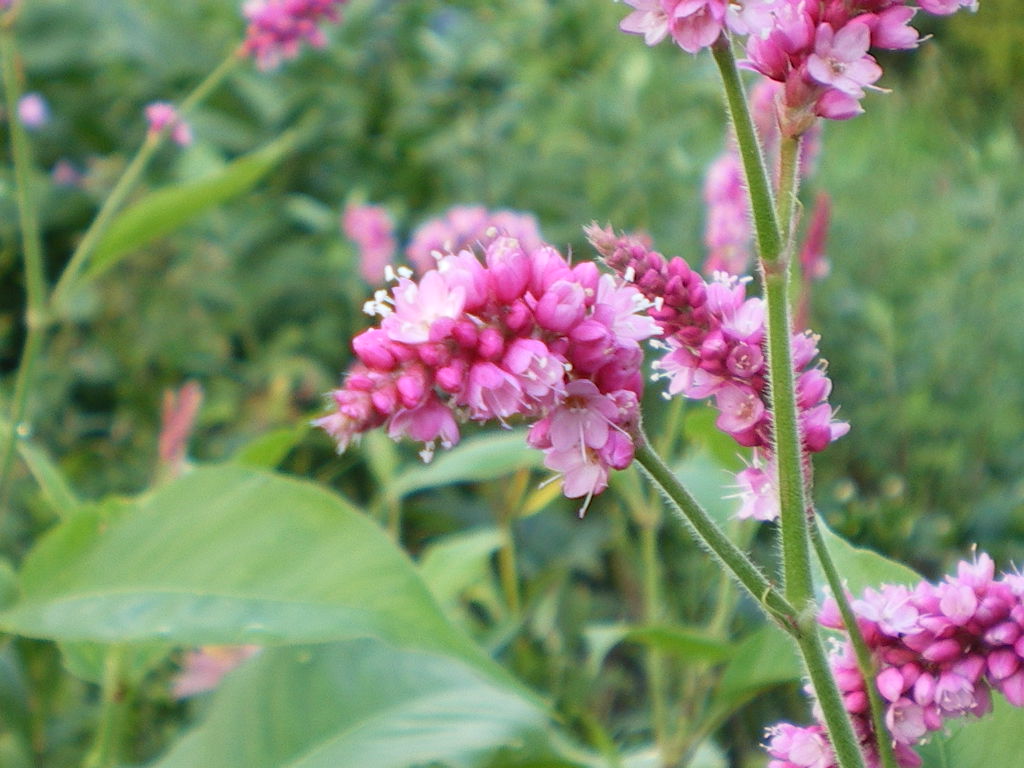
(715, 348)
(939, 651)
(522, 334)
(818, 49)
(278, 28)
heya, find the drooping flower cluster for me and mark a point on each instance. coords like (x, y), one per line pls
(160, 116)
(468, 226)
(715, 337)
(370, 227)
(939, 651)
(278, 28)
(819, 51)
(523, 334)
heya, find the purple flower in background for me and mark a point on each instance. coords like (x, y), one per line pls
(161, 115)
(370, 227)
(33, 111)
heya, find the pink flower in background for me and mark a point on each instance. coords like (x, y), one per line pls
(278, 28)
(203, 669)
(520, 334)
(65, 174)
(33, 112)
(177, 420)
(161, 116)
(465, 226)
(370, 227)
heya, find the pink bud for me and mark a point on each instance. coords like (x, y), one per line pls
(942, 650)
(890, 683)
(1002, 663)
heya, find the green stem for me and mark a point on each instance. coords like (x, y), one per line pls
(766, 224)
(119, 194)
(837, 720)
(789, 183)
(707, 531)
(860, 648)
(106, 748)
(649, 523)
(774, 258)
(31, 242)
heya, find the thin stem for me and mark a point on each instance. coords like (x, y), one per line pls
(119, 194)
(707, 531)
(32, 249)
(789, 182)
(766, 223)
(508, 568)
(860, 648)
(106, 748)
(837, 720)
(649, 523)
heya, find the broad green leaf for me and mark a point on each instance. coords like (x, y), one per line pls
(699, 428)
(707, 755)
(764, 659)
(58, 493)
(455, 563)
(862, 568)
(224, 556)
(709, 482)
(360, 703)
(995, 739)
(162, 212)
(269, 450)
(684, 642)
(481, 458)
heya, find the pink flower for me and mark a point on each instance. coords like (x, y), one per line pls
(371, 229)
(464, 227)
(277, 28)
(417, 306)
(582, 473)
(162, 116)
(841, 59)
(649, 19)
(33, 111)
(203, 669)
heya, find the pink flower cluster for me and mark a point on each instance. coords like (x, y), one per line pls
(467, 226)
(939, 649)
(160, 115)
(715, 337)
(277, 28)
(818, 49)
(370, 227)
(523, 334)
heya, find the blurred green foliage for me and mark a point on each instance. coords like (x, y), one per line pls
(541, 106)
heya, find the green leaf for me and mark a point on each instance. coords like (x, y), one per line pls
(55, 488)
(455, 563)
(765, 658)
(269, 450)
(360, 703)
(482, 458)
(991, 740)
(685, 642)
(862, 568)
(86, 661)
(226, 556)
(162, 212)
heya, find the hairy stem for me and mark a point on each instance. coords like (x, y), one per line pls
(106, 748)
(860, 648)
(707, 531)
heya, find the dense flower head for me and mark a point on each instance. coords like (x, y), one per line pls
(468, 226)
(521, 334)
(714, 348)
(819, 51)
(370, 227)
(160, 116)
(939, 651)
(278, 28)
